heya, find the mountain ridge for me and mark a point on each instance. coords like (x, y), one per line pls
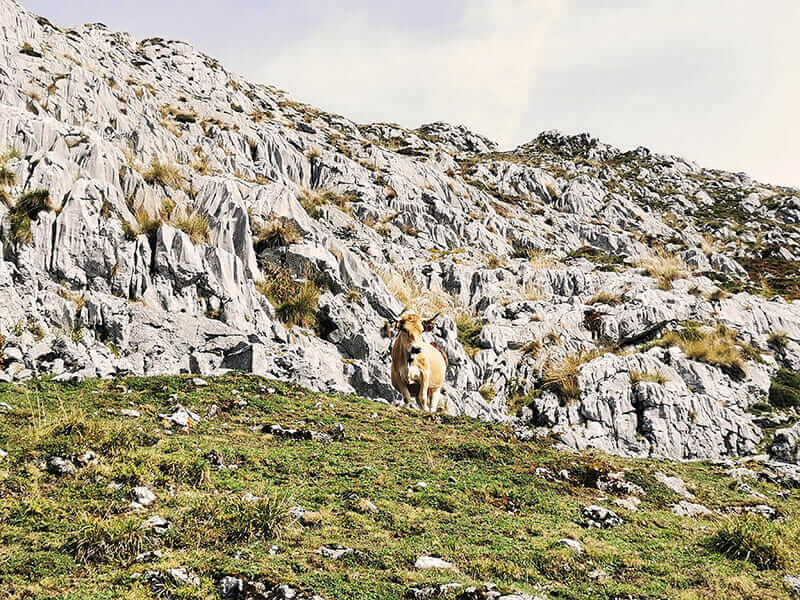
(192, 221)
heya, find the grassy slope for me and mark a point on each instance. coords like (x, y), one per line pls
(496, 522)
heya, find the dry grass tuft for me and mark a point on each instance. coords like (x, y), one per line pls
(664, 267)
(544, 261)
(716, 346)
(295, 300)
(638, 377)
(195, 225)
(495, 262)
(605, 298)
(164, 174)
(561, 377)
(414, 296)
(276, 233)
(532, 292)
(313, 201)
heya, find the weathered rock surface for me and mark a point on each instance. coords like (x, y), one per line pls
(541, 244)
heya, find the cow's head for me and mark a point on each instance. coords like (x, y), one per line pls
(410, 327)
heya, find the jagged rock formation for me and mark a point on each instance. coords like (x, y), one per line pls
(178, 194)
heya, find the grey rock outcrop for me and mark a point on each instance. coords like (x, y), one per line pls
(175, 192)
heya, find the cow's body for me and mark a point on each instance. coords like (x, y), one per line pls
(418, 368)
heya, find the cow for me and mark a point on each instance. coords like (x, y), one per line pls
(418, 368)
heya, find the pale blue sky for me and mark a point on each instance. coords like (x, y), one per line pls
(717, 81)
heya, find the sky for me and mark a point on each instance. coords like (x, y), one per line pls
(715, 81)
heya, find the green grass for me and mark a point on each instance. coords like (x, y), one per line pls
(484, 509)
(784, 392)
(468, 331)
(26, 209)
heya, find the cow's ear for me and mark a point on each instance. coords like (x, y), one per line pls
(427, 325)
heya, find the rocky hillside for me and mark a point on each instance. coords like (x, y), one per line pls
(240, 488)
(160, 215)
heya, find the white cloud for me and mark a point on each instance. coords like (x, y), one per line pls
(481, 75)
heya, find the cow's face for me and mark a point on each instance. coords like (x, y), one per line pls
(410, 327)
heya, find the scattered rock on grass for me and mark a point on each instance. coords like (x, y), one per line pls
(157, 523)
(429, 592)
(142, 496)
(630, 503)
(307, 518)
(150, 556)
(58, 465)
(690, 509)
(335, 434)
(181, 416)
(432, 562)
(231, 587)
(600, 517)
(793, 583)
(333, 551)
(573, 545)
(676, 484)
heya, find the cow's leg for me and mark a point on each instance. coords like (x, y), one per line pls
(423, 394)
(435, 395)
(402, 387)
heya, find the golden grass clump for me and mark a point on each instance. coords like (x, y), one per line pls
(561, 377)
(416, 297)
(716, 346)
(164, 174)
(193, 224)
(313, 201)
(638, 377)
(540, 260)
(276, 233)
(664, 268)
(295, 300)
(605, 298)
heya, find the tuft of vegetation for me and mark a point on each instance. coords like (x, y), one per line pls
(104, 540)
(605, 298)
(468, 331)
(495, 262)
(146, 223)
(716, 346)
(295, 300)
(25, 210)
(276, 233)
(164, 174)
(540, 260)
(603, 260)
(488, 391)
(638, 377)
(26, 48)
(752, 538)
(561, 377)
(784, 392)
(193, 224)
(778, 340)
(663, 267)
(313, 201)
(237, 519)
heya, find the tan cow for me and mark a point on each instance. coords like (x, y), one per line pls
(418, 368)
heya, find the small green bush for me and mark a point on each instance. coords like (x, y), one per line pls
(784, 391)
(753, 538)
(237, 520)
(468, 331)
(25, 210)
(104, 540)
